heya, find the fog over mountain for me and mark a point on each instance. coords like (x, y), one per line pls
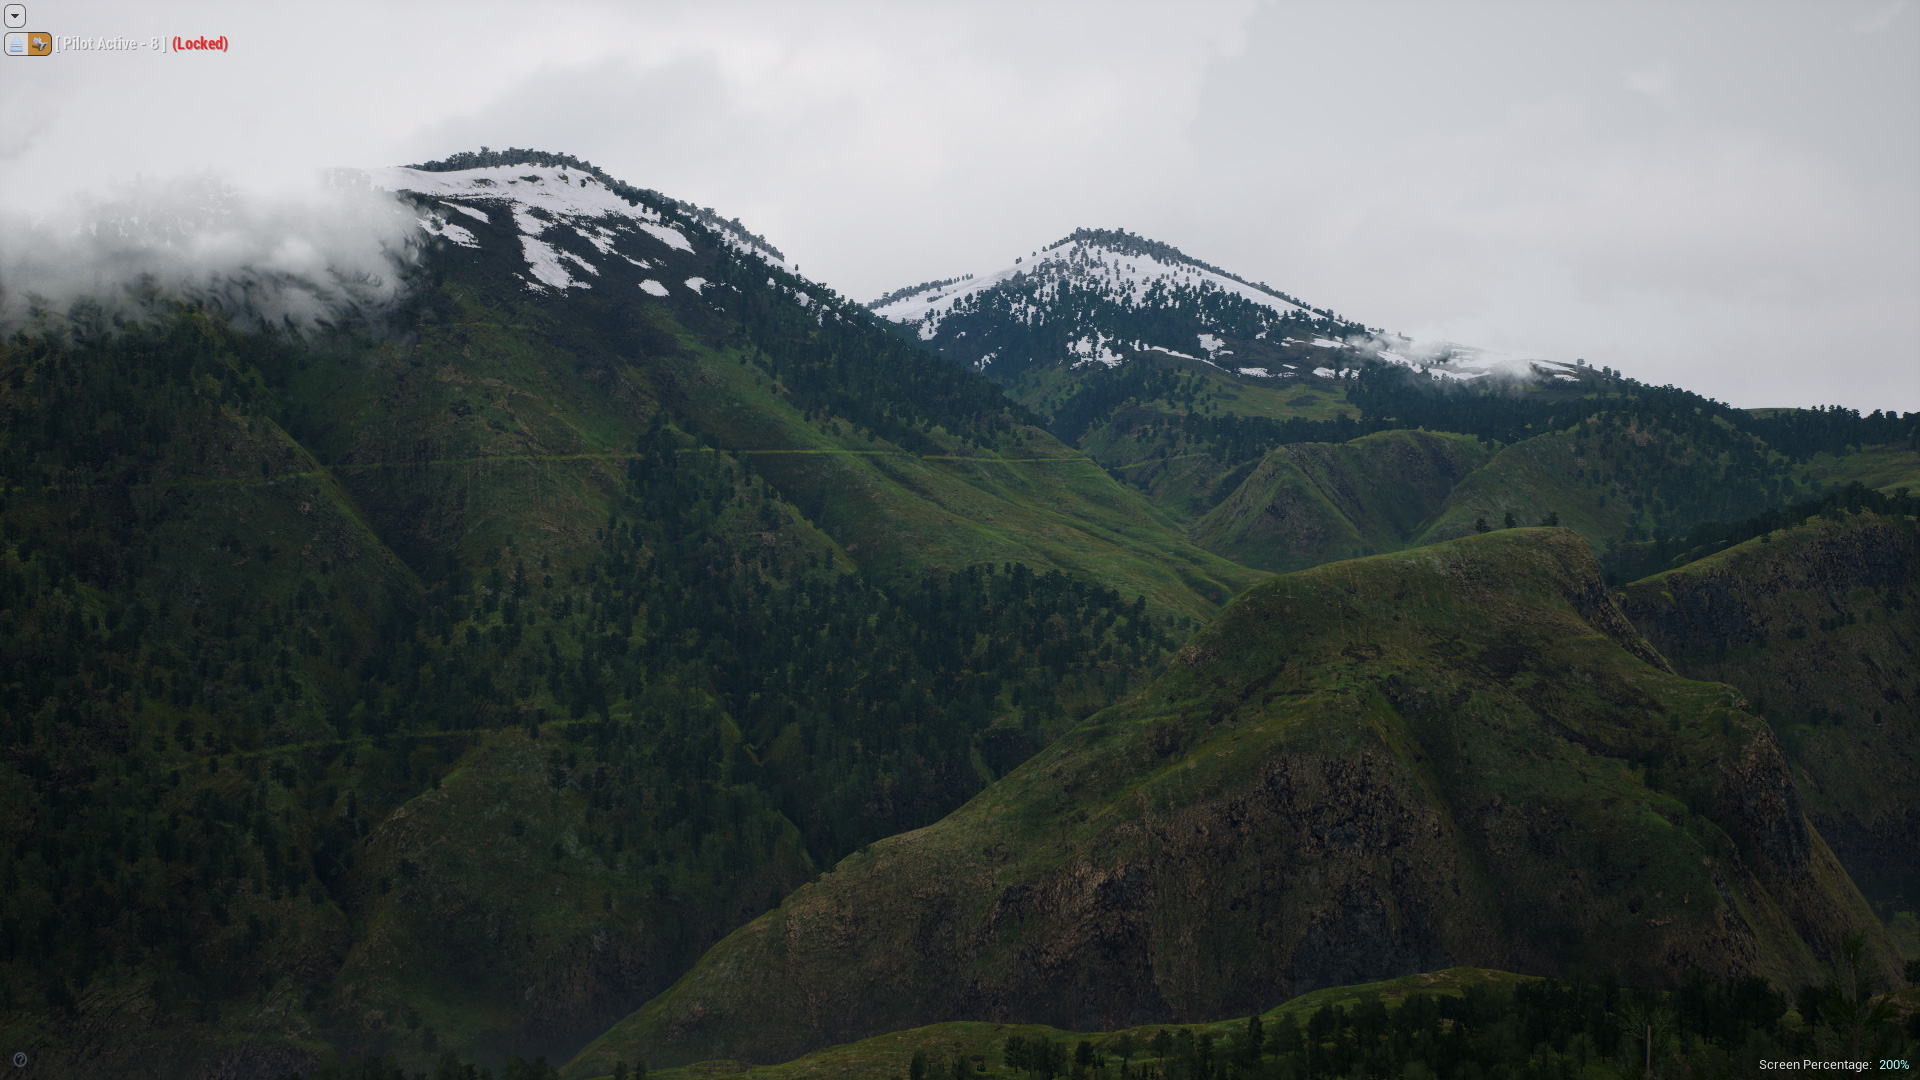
(1719, 196)
(300, 256)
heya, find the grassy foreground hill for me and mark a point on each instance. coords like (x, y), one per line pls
(985, 1044)
(1818, 625)
(1459, 754)
(1457, 1021)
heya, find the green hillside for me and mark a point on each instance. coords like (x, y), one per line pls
(1458, 754)
(1180, 431)
(279, 618)
(985, 1044)
(1614, 477)
(1311, 503)
(1818, 625)
(1451, 1022)
(1885, 468)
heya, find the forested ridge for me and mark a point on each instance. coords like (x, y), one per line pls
(260, 637)
(1390, 396)
(206, 716)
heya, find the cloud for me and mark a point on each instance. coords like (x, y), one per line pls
(1880, 19)
(1643, 185)
(1653, 82)
(297, 258)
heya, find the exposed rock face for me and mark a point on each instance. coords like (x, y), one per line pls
(1458, 755)
(1819, 627)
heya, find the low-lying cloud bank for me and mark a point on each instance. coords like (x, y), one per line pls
(299, 259)
(1449, 360)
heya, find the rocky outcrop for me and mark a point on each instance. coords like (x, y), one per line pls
(1818, 627)
(1458, 755)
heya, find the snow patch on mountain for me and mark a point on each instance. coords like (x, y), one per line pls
(478, 215)
(548, 264)
(441, 227)
(1093, 350)
(1214, 346)
(1176, 352)
(667, 235)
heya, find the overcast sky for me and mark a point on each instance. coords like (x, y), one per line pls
(1725, 196)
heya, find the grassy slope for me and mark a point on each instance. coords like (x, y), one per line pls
(1179, 479)
(890, 1055)
(1316, 502)
(1456, 754)
(1569, 473)
(1027, 499)
(1530, 480)
(556, 392)
(1842, 696)
(1883, 468)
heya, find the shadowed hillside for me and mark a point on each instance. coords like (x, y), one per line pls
(1818, 625)
(1459, 754)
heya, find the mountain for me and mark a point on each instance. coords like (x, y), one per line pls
(1459, 755)
(1107, 302)
(451, 676)
(1818, 624)
(453, 670)
(1235, 408)
(1174, 373)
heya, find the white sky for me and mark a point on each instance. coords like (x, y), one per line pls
(1725, 196)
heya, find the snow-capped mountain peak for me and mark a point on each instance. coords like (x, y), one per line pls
(1100, 298)
(569, 219)
(1103, 297)
(1115, 263)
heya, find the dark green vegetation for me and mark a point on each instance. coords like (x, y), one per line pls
(1463, 753)
(1460, 1019)
(1817, 622)
(1310, 503)
(451, 682)
(455, 682)
(1670, 552)
(1446, 1023)
(1646, 476)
